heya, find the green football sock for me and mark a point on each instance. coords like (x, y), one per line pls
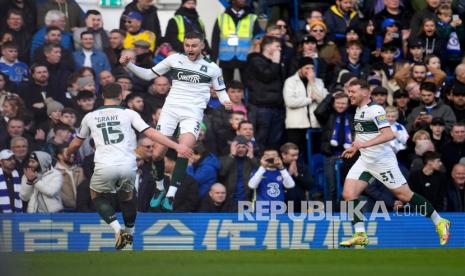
(357, 220)
(129, 211)
(419, 201)
(179, 173)
(104, 209)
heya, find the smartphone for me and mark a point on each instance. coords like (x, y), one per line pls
(422, 112)
(455, 17)
(394, 35)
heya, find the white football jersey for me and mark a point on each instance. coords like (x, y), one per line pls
(368, 120)
(191, 80)
(112, 128)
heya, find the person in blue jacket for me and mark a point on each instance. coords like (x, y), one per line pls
(203, 167)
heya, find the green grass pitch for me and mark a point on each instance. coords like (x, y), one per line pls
(376, 262)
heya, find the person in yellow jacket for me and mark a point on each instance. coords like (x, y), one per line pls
(135, 32)
(232, 38)
(185, 20)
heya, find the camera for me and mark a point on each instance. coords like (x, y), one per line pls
(270, 160)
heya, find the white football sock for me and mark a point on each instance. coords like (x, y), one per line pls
(435, 217)
(159, 184)
(116, 226)
(359, 227)
(171, 191)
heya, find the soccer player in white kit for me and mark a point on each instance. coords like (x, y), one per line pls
(378, 161)
(192, 76)
(112, 128)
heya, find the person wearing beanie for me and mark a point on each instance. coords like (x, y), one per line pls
(86, 83)
(302, 93)
(327, 50)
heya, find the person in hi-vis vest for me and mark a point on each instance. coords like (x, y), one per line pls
(232, 38)
(185, 20)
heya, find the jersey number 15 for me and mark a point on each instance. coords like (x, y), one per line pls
(111, 128)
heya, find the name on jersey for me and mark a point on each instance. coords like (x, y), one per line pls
(107, 119)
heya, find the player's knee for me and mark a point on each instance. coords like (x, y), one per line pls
(124, 196)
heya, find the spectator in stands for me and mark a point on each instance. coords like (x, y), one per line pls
(232, 38)
(20, 33)
(217, 201)
(85, 101)
(93, 23)
(157, 92)
(185, 20)
(25, 7)
(88, 56)
(430, 182)
(116, 45)
(379, 95)
(327, 50)
(421, 144)
(54, 109)
(433, 43)
(271, 179)
(236, 169)
(458, 101)
(420, 16)
(353, 64)
(392, 9)
(422, 115)
(417, 73)
(203, 167)
(265, 82)
(136, 103)
(455, 200)
(58, 70)
(54, 18)
(62, 134)
(105, 77)
(16, 70)
(41, 185)
(73, 176)
(20, 147)
(150, 21)
(135, 32)
(400, 133)
(83, 200)
(145, 183)
(302, 93)
(299, 173)
(439, 136)
(72, 10)
(401, 100)
(224, 134)
(9, 184)
(53, 36)
(338, 17)
(455, 149)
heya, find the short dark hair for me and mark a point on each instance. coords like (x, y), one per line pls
(10, 45)
(235, 84)
(52, 28)
(363, 83)
(121, 32)
(430, 156)
(428, 86)
(86, 33)
(34, 66)
(288, 146)
(112, 90)
(92, 12)
(237, 112)
(132, 96)
(68, 110)
(61, 126)
(48, 47)
(194, 35)
(266, 40)
(14, 11)
(85, 94)
(353, 43)
(243, 123)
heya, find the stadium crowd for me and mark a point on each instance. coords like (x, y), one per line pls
(55, 58)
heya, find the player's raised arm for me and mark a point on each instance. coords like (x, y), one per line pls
(143, 73)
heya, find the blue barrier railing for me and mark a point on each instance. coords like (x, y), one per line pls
(158, 231)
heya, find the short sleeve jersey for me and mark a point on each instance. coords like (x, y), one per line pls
(112, 128)
(369, 119)
(191, 80)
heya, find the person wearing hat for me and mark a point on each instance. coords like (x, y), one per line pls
(308, 48)
(401, 102)
(10, 182)
(86, 84)
(302, 93)
(149, 12)
(379, 95)
(340, 16)
(437, 131)
(393, 9)
(135, 32)
(185, 20)
(232, 38)
(143, 54)
(458, 101)
(41, 185)
(327, 50)
(416, 50)
(236, 167)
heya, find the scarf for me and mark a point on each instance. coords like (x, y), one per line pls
(347, 134)
(5, 204)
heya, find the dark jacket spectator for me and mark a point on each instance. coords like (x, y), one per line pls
(216, 201)
(455, 149)
(204, 170)
(74, 13)
(26, 7)
(455, 201)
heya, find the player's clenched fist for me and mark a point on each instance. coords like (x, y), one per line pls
(124, 59)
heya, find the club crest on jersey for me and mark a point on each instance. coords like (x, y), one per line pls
(204, 68)
(381, 119)
(189, 78)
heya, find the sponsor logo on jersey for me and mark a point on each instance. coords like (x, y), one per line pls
(189, 78)
(221, 81)
(358, 127)
(381, 119)
(273, 189)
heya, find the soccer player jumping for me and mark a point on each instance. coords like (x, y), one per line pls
(377, 160)
(192, 76)
(112, 128)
